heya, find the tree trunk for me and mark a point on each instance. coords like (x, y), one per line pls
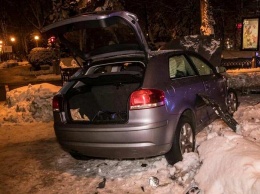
(207, 20)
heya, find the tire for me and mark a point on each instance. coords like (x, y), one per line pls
(232, 101)
(183, 141)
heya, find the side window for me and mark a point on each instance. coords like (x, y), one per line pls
(180, 67)
(201, 66)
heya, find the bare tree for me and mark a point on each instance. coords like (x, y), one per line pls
(36, 12)
(62, 9)
(4, 19)
(166, 19)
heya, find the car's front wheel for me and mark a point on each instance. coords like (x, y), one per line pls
(183, 141)
(232, 101)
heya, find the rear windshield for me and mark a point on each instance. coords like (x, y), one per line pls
(114, 36)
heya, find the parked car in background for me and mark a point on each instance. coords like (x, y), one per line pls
(127, 101)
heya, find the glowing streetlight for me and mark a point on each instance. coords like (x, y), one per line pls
(12, 39)
(1, 48)
(36, 38)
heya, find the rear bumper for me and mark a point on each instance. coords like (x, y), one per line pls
(118, 141)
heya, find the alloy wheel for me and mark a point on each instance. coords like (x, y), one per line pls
(186, 140)
(231, 102)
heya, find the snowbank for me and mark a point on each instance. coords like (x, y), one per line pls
(231, 161)
(249, 120)
(244, 80)
(30, 103)
(232, 164)
(12, 63)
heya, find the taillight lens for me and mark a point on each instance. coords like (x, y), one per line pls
(146, 98)
(57, 103)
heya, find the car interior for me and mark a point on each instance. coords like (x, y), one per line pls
(180, 67)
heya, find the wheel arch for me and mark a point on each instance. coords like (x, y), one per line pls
(175, 154)
(190, 114)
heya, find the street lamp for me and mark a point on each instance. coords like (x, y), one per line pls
(36, 38)
(12, 39)
(1, 49)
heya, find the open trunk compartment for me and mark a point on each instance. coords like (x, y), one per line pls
(101, 104)
(102, 97)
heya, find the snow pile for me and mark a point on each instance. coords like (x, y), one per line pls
(232, 164)
(246, 80)
(185, 170)
(12, 63)
(197, 43)
(8, 64)
(231, 161)
(191, 42)
(68, 63)
(212, 46)
(249, 120)
(30, 103)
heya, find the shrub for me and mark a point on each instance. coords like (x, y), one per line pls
(41, 56)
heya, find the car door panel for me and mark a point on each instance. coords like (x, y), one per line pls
(185, 86)
(214, 89)
(213, 82)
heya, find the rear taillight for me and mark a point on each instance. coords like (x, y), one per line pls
(146, 98)
(57, 103)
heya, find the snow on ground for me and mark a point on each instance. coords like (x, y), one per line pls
(225, 161)
(12, 63)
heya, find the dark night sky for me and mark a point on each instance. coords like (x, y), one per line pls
(164, 15)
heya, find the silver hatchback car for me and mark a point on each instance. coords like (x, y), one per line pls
(127, 101)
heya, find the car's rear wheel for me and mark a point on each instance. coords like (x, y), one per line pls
(232, 101)
(183, 141)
